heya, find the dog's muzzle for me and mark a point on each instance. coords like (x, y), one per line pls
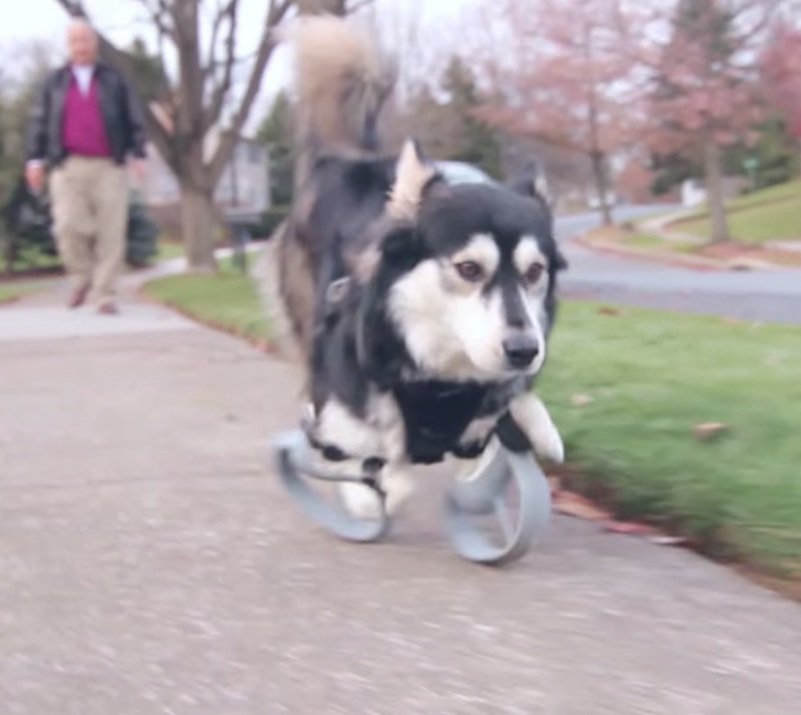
(520, 349)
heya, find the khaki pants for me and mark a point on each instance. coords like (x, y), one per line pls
(90, 215)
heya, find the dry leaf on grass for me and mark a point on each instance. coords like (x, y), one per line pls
(666, 540)
(709, 430)
(629, 527)
(651, 533)
(581, 400)
(555, 483)
(572, 504)
(606, 310)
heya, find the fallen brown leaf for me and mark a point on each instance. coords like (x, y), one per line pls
(555, 483)
(707, 431)
(666, 540)
(651, 533)
(629, 527)
(606, 310)
(572, 504)
(581, 400)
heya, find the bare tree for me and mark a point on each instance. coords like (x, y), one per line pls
(204, 97)
(201, 97)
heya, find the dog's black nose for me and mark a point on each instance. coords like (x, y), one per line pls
(520, 349)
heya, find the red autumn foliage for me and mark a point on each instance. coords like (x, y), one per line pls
(705, 82)
(562, 76)
(781, 69)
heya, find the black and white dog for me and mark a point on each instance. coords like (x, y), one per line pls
(423, 308)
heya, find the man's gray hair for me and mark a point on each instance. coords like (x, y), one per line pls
(81, 22)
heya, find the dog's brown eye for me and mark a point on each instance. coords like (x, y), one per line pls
(470, 271)
(534, 273)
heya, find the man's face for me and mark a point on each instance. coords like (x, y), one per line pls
(82, 43)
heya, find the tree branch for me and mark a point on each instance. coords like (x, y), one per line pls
(267, 44)
(211, 63)
(357, 5)
(211, 113)
(158, 16)
(73, 7)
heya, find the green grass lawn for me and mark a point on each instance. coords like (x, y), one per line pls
(170, 249)
(17, 289)
(770, 214)
(651, 242)
(7, 293)
(227, 300)
(32, 257)
(653, 376)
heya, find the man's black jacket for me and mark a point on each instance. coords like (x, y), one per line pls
(122, 116)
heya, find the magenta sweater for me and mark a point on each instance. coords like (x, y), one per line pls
(84, 132)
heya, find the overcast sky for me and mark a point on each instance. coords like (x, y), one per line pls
(22, 21)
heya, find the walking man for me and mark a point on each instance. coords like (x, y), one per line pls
(83, 127)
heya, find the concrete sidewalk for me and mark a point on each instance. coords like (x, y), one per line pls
(151, 564)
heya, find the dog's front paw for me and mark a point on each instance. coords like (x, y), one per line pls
(360, 501)
(548, 444)
(398, 487)
(363, 502)
(533, 418)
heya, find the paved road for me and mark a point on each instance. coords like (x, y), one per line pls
(151, 565)
(764, 295)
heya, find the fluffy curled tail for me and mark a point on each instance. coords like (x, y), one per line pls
(342, 82)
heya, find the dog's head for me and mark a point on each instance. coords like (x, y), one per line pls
(469, 274)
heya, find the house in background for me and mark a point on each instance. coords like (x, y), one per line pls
(693, 191)
(243, 189)
(245, 182)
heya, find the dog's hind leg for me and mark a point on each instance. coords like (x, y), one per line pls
(532, 417)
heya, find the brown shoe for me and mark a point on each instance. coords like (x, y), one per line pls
(108, 309)
(78, 297)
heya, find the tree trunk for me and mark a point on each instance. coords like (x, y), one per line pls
(713, 175)
(314, 7)
(599, 174)
(798, 143)
(199, 222)
(199, 227)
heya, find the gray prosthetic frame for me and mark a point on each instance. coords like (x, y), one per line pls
(485, 523)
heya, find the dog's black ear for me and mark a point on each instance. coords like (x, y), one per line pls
(560, 262)
(531, 184)
(401, 242)
(392, 243)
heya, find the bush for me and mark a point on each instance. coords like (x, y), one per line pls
(142, 235)
(271, 219)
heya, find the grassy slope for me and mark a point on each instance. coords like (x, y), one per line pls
(170, 249)
(17, 289)
(770, 214)
(227, 300)
(652, 242)
(7, 293)
(653, 376)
